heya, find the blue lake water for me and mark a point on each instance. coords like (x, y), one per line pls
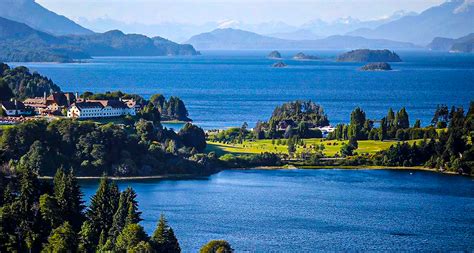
(223, 89)
(313, 210)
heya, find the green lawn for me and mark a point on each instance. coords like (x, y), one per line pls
(331, 147)
(5, 126)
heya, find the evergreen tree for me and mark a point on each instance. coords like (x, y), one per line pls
(50, 211)
(127, 212)
(216, 246)
(132, 236)
(101, 210)
(163, 239)
(69, 198)
(28, 210)
(62, 239)
(402, 119)
(417, 124)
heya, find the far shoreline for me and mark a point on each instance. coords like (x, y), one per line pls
(283, 167)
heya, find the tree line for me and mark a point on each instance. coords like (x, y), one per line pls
(45, 216)
(145, 148)
(20, 83)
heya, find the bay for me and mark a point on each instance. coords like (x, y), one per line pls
(313, 210)
(225, 88)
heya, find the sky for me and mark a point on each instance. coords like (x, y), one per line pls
(197, 12)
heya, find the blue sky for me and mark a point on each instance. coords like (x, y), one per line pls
(249, 11)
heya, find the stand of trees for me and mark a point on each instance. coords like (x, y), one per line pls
(20, 83)
(91, 149)
(300, 118)
(37, 216)
(393, 126)
(453, 150)
(173, 109)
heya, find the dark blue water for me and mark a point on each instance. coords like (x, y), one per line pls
(313, 210)
(223, 89)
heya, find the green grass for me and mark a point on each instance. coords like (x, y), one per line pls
(5, 126)
(331, 147)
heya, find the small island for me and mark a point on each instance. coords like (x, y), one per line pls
(301, 56)
(274, 55)
(376, 66)
(279, 65)
(368, 55)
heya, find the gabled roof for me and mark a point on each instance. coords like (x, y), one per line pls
(111, 103)
(88, 104)
(9, 105)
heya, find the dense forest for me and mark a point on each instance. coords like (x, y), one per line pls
(293, 118)
(45, 216)
(145, 148)
(20, 83)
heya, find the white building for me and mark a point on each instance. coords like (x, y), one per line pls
(326, 130)
(99, 109)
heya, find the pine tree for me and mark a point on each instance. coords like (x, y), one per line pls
(69, 198)
(127, 212)
(62, 239)
(102, 209)
(163, 239)
(132, 236)
(28, 213)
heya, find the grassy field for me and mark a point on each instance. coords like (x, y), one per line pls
(330, 147)
(5, 126)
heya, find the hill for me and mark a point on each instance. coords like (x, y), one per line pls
(22, 83)
(464, 44)
(367, 55)
(36, 16)
(451, 19)
(116, 43)
(21, 43)
(235, 39)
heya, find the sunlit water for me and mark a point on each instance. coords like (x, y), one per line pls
(313, 210)
(223, 89)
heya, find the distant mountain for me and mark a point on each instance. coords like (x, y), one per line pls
(36, 16)
(302, 34)
(451, 19)
(116, 43)
(21, 43)
(347, 24)
(234, 39)
(464, 44)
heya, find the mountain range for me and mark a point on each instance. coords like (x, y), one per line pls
(451, 19)
(36, 16)
(19, 42)
(464, 44)
(235, 39)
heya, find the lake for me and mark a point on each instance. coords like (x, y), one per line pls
(313, 210)
(223, 89)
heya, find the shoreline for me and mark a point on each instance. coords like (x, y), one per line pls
(171, 176)
(284, 167)
(346, 167)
